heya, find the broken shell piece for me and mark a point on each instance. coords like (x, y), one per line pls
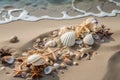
(68, 38)
(36, 60)
(56, 65)
(67, 61)
(51, 43)
(8, 59)
(14, 39)
(48, 70)
(88, 39)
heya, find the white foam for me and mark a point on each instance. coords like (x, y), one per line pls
(24, 15)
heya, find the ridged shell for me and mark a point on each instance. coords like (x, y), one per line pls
(36, 60)
(68, 38)
(48, 70)
(88, 39)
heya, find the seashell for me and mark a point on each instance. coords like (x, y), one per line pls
(9, 59)
(38, 40)
(68, 38)
(56, 65)
(62, 65)
(67, 61)
(2, 68)
(55, 33)
(48, 70)
(35, 60)
(50, 44)
(91, 20)
(14, 39)
(88, 39)
(24, 54)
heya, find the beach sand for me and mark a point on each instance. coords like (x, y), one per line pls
(101, 67)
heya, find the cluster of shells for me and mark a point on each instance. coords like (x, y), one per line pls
(61, 48)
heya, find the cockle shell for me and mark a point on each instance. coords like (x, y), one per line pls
(51, 43)
(68, 38)
(48, 70)
(88, 39)
(35, 60)
(9, 59)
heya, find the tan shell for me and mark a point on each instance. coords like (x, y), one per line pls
(77, 56)
(62, 65)
(50, 43)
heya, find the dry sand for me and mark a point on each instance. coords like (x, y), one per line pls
(104, 66)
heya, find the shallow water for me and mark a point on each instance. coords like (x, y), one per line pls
(34, 10)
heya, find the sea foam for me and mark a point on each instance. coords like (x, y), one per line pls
(24, 15)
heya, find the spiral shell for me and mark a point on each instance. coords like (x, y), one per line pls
(88, 39)
(35, 60)
(68, 38)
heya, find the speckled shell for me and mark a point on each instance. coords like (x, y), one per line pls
(35, 60)
(68, 38)
(88, 39)
(48, 70)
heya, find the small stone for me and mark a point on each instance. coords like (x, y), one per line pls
(56, 65)
(75, 63)
(55, 34)
(14, 39)
(2, 68)
(102, 40)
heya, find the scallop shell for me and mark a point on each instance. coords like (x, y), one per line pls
(35, 60)
(68, 38)
(50, 44)
(88, 39)
(9, 59)
(48, 70)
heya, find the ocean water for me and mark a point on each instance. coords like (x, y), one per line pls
(34, 10)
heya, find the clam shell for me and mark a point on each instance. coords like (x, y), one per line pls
(88, 39)
(48, 70)
(51, 43)
(35, 60)
(68, 38)
(9, 59)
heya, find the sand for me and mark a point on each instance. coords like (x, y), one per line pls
(104, 66)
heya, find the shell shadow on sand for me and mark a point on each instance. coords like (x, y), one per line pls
(113, 72)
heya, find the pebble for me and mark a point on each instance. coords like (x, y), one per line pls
(14, 39)
(75, 63)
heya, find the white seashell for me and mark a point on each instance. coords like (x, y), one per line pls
(88, 39)
(75, 63)
(68, 38)
(48, 70)
(35, 60)
(9, 59)
(50, 44)
(56, 65)
(24, 54)
(72, 54)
